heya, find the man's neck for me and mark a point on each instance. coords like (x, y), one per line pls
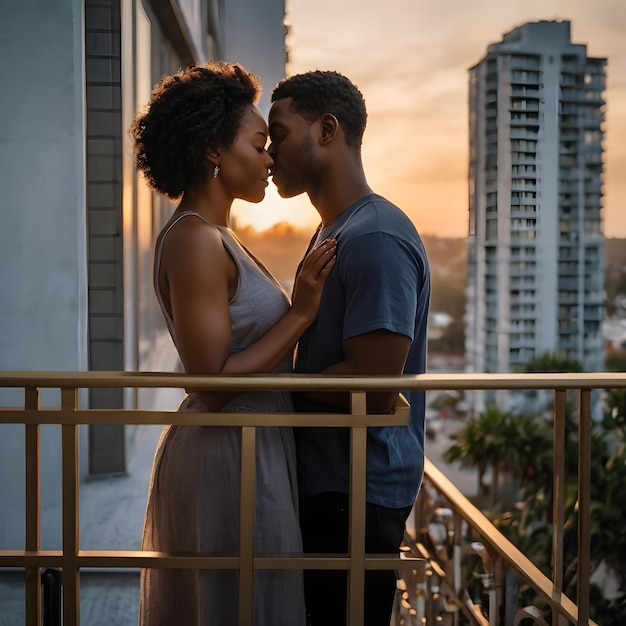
(335, 198)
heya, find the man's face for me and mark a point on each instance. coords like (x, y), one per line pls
(292, 148)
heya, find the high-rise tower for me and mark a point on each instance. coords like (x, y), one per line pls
(535, 245)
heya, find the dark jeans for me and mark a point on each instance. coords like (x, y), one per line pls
(324, 523)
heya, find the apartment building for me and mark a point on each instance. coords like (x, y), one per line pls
(535, 244)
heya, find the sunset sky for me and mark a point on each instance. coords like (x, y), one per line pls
(410, 58)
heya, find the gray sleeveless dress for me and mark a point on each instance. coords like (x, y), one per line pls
(193, 499)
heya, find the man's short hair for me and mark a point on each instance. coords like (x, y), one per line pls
(317, 92)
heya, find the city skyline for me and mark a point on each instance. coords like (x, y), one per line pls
(414, 76)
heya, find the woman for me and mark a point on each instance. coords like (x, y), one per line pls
(202, 139)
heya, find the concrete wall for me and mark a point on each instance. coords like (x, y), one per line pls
(42, 171)
(254, 35)
(43, 283)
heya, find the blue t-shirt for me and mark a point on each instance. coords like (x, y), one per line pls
(380, 281)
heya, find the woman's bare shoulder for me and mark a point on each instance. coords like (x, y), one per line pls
(191, 237)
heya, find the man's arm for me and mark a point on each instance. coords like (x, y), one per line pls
(379, 352)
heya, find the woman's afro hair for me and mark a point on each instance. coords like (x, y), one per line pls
(196, 109)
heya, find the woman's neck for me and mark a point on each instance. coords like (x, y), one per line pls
(210, 203)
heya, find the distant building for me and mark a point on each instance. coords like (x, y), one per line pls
(535, 245)
(78, 222)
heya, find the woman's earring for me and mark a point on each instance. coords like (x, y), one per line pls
(216, 171)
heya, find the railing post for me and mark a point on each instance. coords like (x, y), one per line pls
(33, 507)
(558, 495)
(584, 508)
(71, 527)
(457, 553)
(358, 469)
(499, 578)
(246, 526)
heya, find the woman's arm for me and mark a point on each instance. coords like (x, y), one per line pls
(199, 271)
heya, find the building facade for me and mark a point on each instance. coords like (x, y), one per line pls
(78, 222)
(535, 244)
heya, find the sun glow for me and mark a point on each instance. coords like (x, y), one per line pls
(273, 209)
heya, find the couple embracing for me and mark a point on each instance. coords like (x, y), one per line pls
(359, 306)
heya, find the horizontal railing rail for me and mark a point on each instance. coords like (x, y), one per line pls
(69, 416)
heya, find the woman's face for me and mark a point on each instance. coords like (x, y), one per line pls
(245, 163)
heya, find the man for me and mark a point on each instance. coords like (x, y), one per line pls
(372, 320)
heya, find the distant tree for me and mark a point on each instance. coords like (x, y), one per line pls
(448, 293)
(533, 464)
(615, 361)
(486, 442)
(452, 340)
(616, 406)
(523, 445)
(447, 258)
(552, 362)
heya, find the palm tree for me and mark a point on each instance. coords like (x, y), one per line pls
(485, 442)
(532, 464)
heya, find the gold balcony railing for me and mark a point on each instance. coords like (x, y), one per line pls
(415, 564)
(442, 505)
